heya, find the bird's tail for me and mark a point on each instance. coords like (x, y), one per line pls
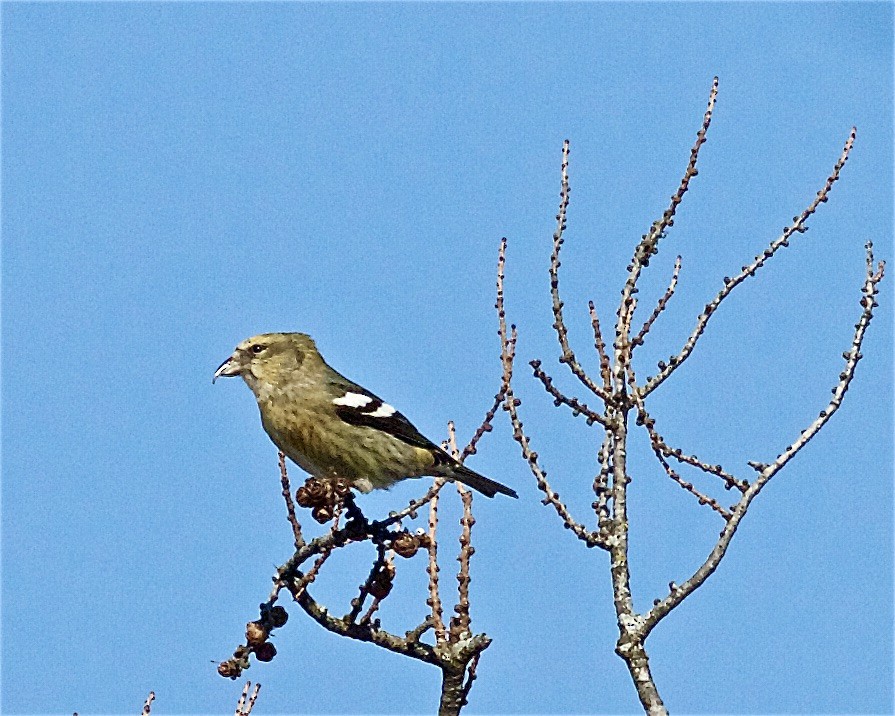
(485, 485)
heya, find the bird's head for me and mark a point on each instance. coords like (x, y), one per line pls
(268, 359)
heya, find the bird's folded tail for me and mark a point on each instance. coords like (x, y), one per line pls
(485, 485)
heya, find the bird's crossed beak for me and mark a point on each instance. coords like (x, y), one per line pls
(228, 368)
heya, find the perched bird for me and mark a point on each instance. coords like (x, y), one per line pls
(333, 428)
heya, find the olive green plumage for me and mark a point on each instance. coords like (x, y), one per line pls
(333, 428)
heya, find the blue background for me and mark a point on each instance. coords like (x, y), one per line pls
(177, 177)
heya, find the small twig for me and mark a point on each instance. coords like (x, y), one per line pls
(362, 632)
(796, 227)
(147, 706)
(486, 426)
(460, 625)
(568, 356)
(358, 602)
(432, 569)
(301, 582)
(417, 632)
(600, 346)
(701, 497)
(411, 509)
(374, 606)
(578, 408)
(663, 450)
(649, 243)
(660, 306)
(290, 505)
(246, 702)
(511, 404)
(470, 677)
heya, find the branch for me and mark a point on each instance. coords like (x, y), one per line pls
(601, 482)
(432, 569)
(460, 624)
(649, 243)
(678, 593)
(797, 226)
(508, 352)
(600, 346)
(660, 306)
(366, 632)
(663, 450)
(290, 505)
(568, 356)
(247, 703)
(578, 408)
(147, 706)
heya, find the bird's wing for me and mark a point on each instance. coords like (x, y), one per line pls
(358, 406)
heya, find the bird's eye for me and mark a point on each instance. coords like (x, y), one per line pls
(257, 348)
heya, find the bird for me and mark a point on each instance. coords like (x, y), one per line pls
(333, 428)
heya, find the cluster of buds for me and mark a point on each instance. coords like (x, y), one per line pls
(257, 634)
(322, 497)
(382, 581)
(406, 544)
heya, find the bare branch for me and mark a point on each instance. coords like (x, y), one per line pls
(680, 592)
(701, 497)
(358, 602)
(366, 632)
(147, 706)
(797, 226)
(663, 450)
(247, 703)
(601, 483)
(600, 346)
(486, 426)
(389, 570)
(649, 243)
(470, 676)
(568, 356)
(508, 352)
(290, 505)
(578, 408)
(660, 306)
(432, 569)
(460, 625)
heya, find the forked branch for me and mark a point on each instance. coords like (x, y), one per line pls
(620, 393)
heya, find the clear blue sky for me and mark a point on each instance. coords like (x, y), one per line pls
(179, 176)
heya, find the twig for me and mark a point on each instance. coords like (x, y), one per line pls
(358, 602)
(460, 624)
(485, 426)
(377, 600)
(290, 505)
(766, 471)
(470, 676)
(796, 227)
(508, 352)
(663, 450)
(701, 497)
(601, 483)
(432, 569)
(600, 346)
(578, 408)
(649, 243)
(246, 702)
(568, 356)
(660, 306)
(147, 706)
